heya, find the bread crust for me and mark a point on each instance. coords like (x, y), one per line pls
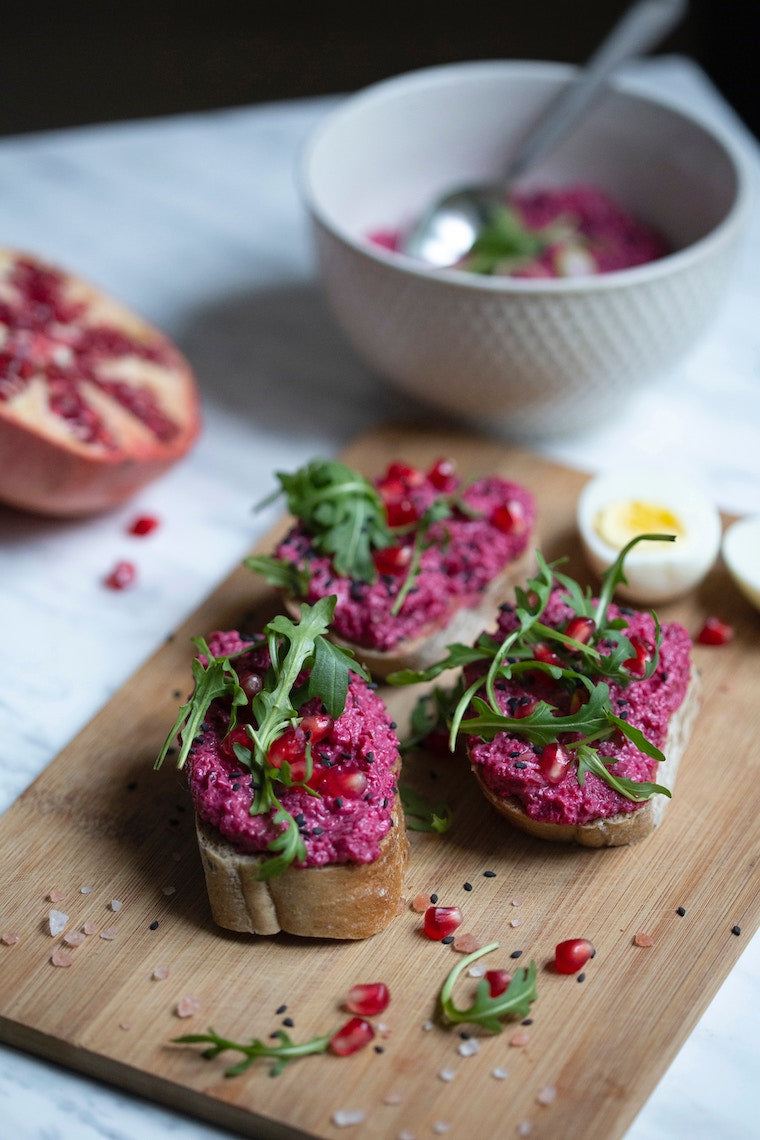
(339, 900)
(625, 827)
(464, 625)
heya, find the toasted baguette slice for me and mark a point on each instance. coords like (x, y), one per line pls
(347, 900)
(625, 827)
(463, 627)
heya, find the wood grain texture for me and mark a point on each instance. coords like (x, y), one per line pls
(99, 816)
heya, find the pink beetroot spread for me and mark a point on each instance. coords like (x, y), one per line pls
(362, 744)
(463, 556)
(509, 765)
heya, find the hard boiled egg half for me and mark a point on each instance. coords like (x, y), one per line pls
(741, 554)
(616, 506)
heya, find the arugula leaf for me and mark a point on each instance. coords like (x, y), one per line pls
(485, 1010)
(329, 675)
(281, 1054)
(420, 815)
(639, 791)
(505, 242)
(280, 573)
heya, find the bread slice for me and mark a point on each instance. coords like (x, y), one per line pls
(625, 827)
(463, 626)
(347, 900)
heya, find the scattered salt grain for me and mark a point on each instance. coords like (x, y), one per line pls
(427, 1026)
(420, 903)
(108, 935)
(345, 1117)
(188, 1005)
(10, 938)
(440, 1127)
(524, 1128)
(382, 1029)
(405, 1135)
(89, 928)
(85, 890)
(61, 958)
(642, 939)
(547, 1095)
(125, 1025)
(476, 971)
(515, 922)
(519, 1039)
(75, 938)
(160, 973)
(447, 1075)
(517, 901)
(469, 1047)
(500, 1074)
(465, 943)
(56, 896)
(168, 890)
(116, 905)
(393, 1098)
(58, 921)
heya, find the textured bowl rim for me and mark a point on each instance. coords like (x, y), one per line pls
(731, 223)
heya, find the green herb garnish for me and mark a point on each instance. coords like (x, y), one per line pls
(421, 815)
(485, 1010)
(281, 1054)
(582, 668)
(293, 647)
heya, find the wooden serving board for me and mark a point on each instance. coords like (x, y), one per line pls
(100, 817)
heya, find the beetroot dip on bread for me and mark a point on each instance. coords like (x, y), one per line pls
(488, 525)
(510, 766)
(355, 762)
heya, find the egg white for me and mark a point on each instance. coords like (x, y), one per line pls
(741, 554)
(655, 571)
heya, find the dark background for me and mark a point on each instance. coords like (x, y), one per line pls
(98, 62)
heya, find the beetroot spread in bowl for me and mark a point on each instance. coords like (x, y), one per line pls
(512, 767)
(569, 231)
(354, 775)
(489, 525)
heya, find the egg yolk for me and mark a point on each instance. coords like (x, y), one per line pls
(618, 523)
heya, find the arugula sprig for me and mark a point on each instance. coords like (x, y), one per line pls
(294, 647)
(582, 667)
(281, 1054)
(487, 1011)
(421, 815)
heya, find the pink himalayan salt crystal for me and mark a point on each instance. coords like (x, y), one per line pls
(519, 1039)
(345, 1117)
(10, 938)
(56, 896)
(160, 973)
(188, 1005)
(116, 905)
(57, 921)
(125, 1025)
(420, 903)
(524, 1128)
(393, 1098)
(547, 1095)
(518, 901)
(642, 939)
(89, 928)
(61, 958)
(465, 943)
(75, 938)
(515, 922)
(108, 935)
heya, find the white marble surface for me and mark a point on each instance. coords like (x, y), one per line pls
(195, 221)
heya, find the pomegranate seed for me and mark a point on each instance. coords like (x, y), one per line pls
(393, 559)
(340, 782)
(316, 726)
(498, 982)
(368, 999)
(526, 708)
(545, 654)
(351, 1037)
(389, 489)
(122, 576)
(442, 475)
(144, 525)
(572, 955)
(412, 476)
(251, 684)
(509, 517)
(581, 628)
(288, 747)
(440, 921)
(237, 736)
(715, 632)
(643, 653)
(401, 512)
(554, 762)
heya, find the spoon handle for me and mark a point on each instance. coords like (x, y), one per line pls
(640, 28)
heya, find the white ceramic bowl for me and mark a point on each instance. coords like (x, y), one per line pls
(534, 357)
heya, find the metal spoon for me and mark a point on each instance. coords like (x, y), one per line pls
(449, 227)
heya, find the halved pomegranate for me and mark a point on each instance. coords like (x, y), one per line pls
(94, 401)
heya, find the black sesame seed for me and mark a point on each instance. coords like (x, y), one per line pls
(464, 1035)
(339, 801)
(280, 1009)
(467, 886)
(527, 1021)
(317, 831)
(520, 764)
(681, 910)
(448, 940)
(489, 874)
(236, 787)
(370, 757)
(581, 977)
(516, 954)
(300, 820)
(736, 930)
(379, 1049)
(513, 754)
(394, 726)
(154, 925)
(288, 1021)
(131, 785)
(434, 899)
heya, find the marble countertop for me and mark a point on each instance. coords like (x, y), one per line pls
(195, 221)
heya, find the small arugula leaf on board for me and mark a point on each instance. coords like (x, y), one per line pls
(280, 573)
(485, 1010)
(281, 1054)
(421, 815)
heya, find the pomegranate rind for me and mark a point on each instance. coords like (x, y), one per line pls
(45, 467)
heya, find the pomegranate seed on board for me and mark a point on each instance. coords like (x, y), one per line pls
(143, 525)
(122, 576)
(441, 921)
(715, 632)
(554, 762)
(498, 982)
(368, 999)
(572, 955)
(351, 1037)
